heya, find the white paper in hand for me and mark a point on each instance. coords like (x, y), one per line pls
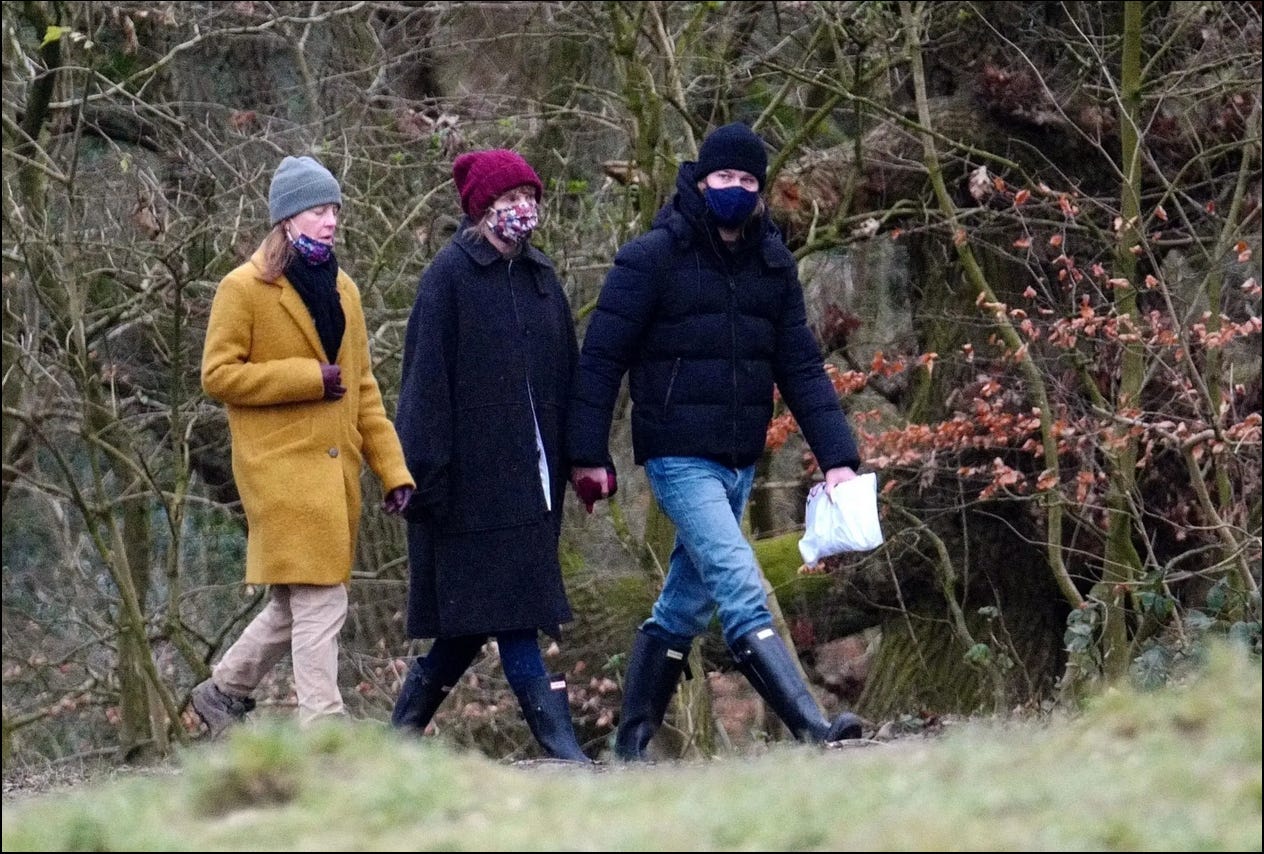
(845, 521)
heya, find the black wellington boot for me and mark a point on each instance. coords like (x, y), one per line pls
(654, 670)
(419, 698)
(762, 657)
(548, 712)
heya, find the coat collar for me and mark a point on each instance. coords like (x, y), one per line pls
(484, 254)
(292, 301)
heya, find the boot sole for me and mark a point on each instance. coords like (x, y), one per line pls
(845, 728)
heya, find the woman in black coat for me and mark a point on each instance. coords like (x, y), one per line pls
(488, 362)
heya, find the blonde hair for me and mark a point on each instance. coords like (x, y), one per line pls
(277, 252)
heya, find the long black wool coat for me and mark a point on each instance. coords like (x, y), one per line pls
(490, 341)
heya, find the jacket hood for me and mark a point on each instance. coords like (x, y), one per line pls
(689, 221)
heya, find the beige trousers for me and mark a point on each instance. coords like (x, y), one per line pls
(303, 620)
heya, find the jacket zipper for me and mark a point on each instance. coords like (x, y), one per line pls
(671, 382)
(733, 363)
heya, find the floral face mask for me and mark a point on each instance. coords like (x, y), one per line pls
(514, 224)
(312, 251)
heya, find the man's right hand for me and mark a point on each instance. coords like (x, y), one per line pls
(331, 375)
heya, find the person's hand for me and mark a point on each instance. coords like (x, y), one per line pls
(592, 484)
(835, 476)
(396, 500)
(331, 375)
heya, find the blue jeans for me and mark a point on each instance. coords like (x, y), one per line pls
(712, 565)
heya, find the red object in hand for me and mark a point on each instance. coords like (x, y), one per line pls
(589, 490)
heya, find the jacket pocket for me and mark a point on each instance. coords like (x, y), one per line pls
(259, 440)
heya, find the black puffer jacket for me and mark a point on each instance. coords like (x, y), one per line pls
(705, 332)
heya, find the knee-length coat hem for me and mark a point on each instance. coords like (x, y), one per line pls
(489, 355)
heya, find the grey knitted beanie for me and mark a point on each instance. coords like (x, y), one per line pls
(301, 183)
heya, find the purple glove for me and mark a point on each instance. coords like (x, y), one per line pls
(331, 375)
(396, 500)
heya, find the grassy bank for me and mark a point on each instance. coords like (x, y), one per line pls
(1174, 770)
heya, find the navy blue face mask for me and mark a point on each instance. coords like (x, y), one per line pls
(731, 206)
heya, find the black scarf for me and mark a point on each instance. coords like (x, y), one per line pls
(317, 285)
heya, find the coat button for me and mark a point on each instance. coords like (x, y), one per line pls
(333, 452)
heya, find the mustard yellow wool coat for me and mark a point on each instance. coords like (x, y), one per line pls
(297, 457)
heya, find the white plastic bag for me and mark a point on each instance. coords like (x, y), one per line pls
(844, 521)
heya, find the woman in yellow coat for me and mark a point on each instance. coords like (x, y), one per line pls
(287, 352)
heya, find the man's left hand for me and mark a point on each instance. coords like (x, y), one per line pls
(834, 477)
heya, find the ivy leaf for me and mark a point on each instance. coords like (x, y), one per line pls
(1217, 595)
(1245, 634)
(54, 34)
(1078, 637)
(1149, 670)
(1155, 603)
(1198, 621)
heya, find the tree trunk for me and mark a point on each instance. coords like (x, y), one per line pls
(135, 726)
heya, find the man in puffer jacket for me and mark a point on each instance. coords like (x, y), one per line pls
(706, 312)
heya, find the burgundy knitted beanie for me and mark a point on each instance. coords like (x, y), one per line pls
(483, 176)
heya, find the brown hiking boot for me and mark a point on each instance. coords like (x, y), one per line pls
(218, 710)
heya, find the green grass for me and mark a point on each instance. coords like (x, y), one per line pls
(1173, 770)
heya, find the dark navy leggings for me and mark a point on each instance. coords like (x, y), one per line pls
(519, 655)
